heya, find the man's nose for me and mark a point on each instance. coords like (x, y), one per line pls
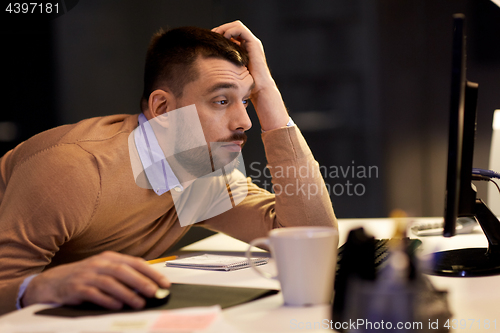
(240, 119)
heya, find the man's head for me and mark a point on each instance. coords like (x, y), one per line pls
(193, 66)
(171, 56)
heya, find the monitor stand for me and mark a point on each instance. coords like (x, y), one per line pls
(474, 261)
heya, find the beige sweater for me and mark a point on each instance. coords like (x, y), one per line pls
(69, 193)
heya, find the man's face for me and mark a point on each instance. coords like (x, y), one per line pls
(221, 95)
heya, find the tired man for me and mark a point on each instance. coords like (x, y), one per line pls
(76, 226)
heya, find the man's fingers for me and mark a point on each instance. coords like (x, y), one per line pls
(134, 273)
(239, 34)
(140, 265)
(93, 295)
(109, 279)
(115, 289)
(236, 41)
(236, 31)
(130, 278)
(222, 28)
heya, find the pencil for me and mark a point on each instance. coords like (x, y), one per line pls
(155, 261)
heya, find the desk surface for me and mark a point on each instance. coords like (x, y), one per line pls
(470, 298)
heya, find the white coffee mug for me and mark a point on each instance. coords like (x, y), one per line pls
(305, 258)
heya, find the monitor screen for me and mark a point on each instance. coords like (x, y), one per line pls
(460, 198)
(460, 192)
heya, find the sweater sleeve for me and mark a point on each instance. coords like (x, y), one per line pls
(49, 198)
(300, 199)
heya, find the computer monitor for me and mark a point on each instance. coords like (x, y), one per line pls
(460, 199)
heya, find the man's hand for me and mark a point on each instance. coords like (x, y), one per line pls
(109, 279)
(265, 97)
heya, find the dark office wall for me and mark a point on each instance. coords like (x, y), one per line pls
(367, 81)
(322, 55)
(28, 82)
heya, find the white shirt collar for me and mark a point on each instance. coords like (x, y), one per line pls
(158, 171)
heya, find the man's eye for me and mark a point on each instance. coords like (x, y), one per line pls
(222, 102)
(245, 102)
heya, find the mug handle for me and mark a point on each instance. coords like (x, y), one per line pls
(255, 242)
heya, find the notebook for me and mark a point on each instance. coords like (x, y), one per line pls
(214, 262)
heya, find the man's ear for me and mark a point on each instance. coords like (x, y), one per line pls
(160, 101)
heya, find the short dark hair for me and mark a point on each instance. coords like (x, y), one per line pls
(171, 55)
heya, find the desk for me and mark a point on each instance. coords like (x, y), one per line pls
(469, 298)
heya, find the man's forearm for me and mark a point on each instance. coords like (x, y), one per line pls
(270, 108)
(301, 195)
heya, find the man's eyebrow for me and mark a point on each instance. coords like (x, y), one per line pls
(222, 85)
